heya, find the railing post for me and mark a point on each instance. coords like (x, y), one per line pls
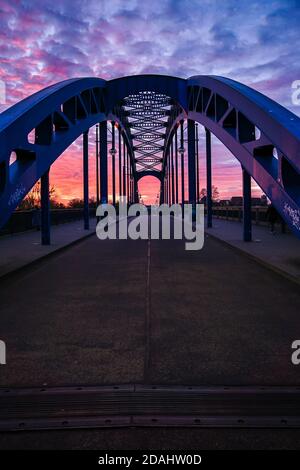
(208, 179)
(247, 223)
(86, 180)
(45, 209)
(103, 162)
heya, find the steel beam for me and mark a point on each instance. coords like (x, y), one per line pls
(191, 162)
(128, 173)
(176, 165)
(45, 209)
(136, 190)
(97, 165)
(103, 163)
(197, 163)
(120, 162)
(113, 161)
(208, 178)
(172, 170)
(124, 166)
(169, 178)
(86, 180)
(182, 162)
(247, 223)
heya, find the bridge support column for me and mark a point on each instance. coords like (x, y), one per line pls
(166, 190)
(97, 165)
(197, 163)
(208, 179)
(161, 191)
(128, 174)
(247, 223)
(176, 166)
(45, 209)
(172, 171)
(191, 162)
(182, 162)
(124, 166)
(169, 179)
(120, 163)
(136, 190)
(86, 215)
(130, 186)
(103, 163)
(113, 161)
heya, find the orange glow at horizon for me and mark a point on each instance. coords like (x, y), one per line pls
(66, 174)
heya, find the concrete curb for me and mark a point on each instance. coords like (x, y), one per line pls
(43, 257)
(263, 263)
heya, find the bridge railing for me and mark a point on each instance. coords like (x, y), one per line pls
(235, 213)
(21, 221)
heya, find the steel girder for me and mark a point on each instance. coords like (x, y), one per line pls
(263, 136)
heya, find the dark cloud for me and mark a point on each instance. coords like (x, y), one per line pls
(42, 42)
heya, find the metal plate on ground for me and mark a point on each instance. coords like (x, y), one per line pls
(148, 405)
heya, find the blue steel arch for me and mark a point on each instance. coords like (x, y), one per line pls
(263, 136)
(58, 114)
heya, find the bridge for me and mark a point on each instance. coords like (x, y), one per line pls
(104, 334)
(149, 112)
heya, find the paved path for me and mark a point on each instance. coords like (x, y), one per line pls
(139, 311)
(280, 252)
(20, 249)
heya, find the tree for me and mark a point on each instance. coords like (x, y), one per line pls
(33, 198)
(75, 203)
(215, 194)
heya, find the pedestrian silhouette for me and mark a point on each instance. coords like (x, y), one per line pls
(272, 217)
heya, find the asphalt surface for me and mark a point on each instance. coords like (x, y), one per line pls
(149, 312)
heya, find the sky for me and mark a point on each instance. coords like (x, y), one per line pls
(255, 42)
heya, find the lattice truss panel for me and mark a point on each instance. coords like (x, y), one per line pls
(147, 114)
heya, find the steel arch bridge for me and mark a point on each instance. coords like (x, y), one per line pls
(149, 112)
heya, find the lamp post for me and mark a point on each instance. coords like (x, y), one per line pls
(113, 164)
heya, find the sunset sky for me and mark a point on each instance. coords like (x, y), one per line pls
(256, 42)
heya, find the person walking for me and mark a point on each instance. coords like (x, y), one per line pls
(272, 217)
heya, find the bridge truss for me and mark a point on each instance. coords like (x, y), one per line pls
(149, 112)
